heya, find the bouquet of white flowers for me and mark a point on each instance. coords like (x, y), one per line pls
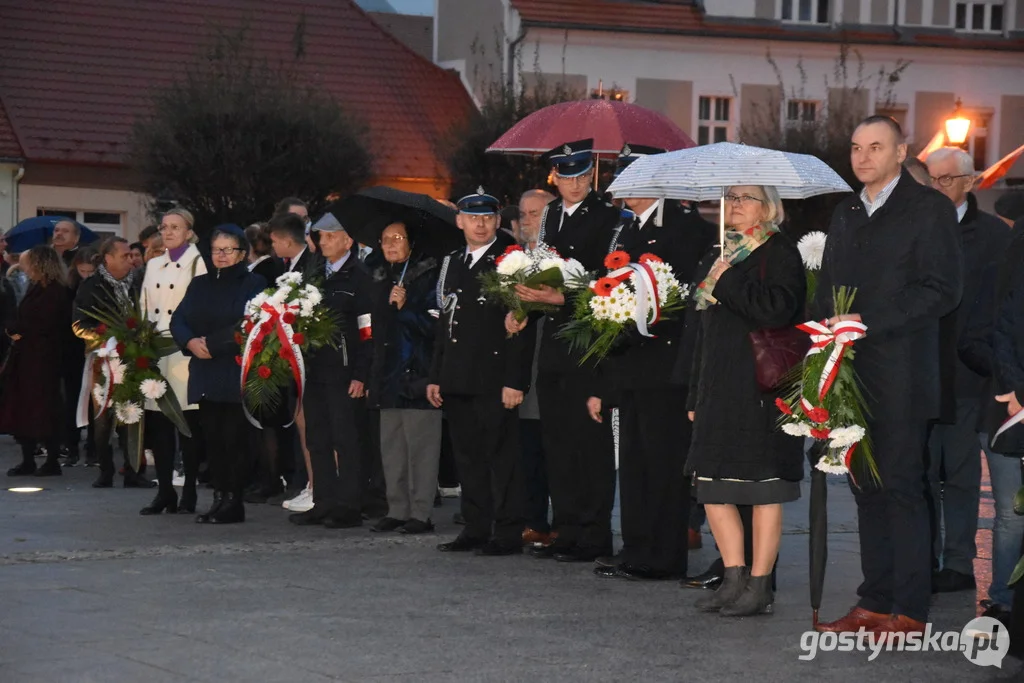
(534, 268)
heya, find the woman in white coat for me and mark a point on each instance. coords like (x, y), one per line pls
(167, 278)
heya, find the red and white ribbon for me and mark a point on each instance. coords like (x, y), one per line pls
(85, 395)
(645, 286)
(271, 321)
(842, 335)
(365, 327)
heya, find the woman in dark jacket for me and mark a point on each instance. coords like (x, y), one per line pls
(738, 455)
(410, 428)
(204, 326)
(30, 407)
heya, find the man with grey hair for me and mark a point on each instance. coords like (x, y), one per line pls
(531, 209)
(65, 240)
(953, 443)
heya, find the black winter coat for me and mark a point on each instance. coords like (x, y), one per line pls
(907, 265)
(403, 340)
(349, 294)
(735, 429)
(96, 294)
(213, 308)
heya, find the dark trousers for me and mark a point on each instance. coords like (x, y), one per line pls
(894, 523)
(330, 429)
(535, 475)
(375, 501)
(580, 460)
(224, 428)
(166, 440)
(72, 388)
(103, 430)
(654, 494)
(447, 473)
(485, 438)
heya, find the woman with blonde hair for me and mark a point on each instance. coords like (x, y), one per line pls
(738, 456)
(30, 406)
(167, 278)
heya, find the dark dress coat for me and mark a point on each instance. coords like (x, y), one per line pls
(349, 294)
(735, 429)
(213, 307)
(404, 339)
(30, 405)
(907, 265)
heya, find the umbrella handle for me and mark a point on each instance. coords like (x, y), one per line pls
(721, 222)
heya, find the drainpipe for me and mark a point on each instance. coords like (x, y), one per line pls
(18, 175)
(511, 75)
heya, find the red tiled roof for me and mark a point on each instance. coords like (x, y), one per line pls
(685, 18)
(74, 75)
(9, 147)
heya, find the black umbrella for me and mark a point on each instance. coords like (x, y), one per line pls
(431, 224)
(818, 518)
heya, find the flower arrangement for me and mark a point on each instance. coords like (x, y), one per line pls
(534, 268)
(825, 401)
(280, 325)
(126, 368)
(812, 252)
(631, 295)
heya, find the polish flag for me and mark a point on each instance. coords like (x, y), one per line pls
(937, 142)
(999, 169)
(365, 329)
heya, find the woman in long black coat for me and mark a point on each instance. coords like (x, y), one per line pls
(738, 456)
(204, 325)
(30, 406)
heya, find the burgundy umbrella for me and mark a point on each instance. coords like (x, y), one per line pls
(611, 124)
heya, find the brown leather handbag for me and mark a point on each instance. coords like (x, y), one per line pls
(777, 351)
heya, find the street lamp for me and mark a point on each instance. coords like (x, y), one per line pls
(957, 126)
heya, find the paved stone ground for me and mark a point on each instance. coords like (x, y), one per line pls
(91, 591)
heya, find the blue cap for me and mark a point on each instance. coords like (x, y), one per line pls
(231, 229)
(631, 153)
(479, 204)
(572, 159)
(328, 223)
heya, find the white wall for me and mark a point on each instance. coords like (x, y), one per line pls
(980, 78)
(8, 196)
(131, 205)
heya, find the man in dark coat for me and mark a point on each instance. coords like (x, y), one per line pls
(898, 244)
(66, 236)
(580, 456)
(335, 377)
(480, 375)
(953, 446)
(654, 495)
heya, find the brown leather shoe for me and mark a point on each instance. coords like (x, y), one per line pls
(896, 623)
(852, 622)
(538, 537)
(696, 541)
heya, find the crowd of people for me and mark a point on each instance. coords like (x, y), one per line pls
(452, 390)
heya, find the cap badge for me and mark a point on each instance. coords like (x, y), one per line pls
(566, 149)
(626, 151)
(480, 190)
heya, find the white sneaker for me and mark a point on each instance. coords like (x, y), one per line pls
(301, 502)
(179, 479)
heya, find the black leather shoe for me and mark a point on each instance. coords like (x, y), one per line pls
(952, 581)
(168, 502)
(133, 480)
(710, 579)
(495, 548)
(315, 515)
(462, 544)
(415, 526)
(104, 481)
(187, 501)
(606, 572)
(25, 469)
(609, 560)
(546, 552)
(343, 520)
(388, 524)
(218, 501)
(49, 469)
(580, 554)
(643, 572)
(262, 495)
(231, 510)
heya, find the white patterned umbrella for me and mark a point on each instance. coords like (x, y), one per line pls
(703, 173)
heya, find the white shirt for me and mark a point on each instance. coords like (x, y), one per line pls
(333, 268)
(258, 261)
(477, 253)
(880, 198)
(567, 210)
(961, 211)
(291, 264)
(647, 214)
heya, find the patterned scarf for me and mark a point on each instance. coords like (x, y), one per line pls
(738, 246)
(121, 288)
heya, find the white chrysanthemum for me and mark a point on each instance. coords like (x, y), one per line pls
(280, 296)
(98, 394)
(831, 464)
(549, 263)
(306, 308)
(796, 429)
(117, 370)
(293, 278)
(128, 412)
(845, 436)
(812, 249)
(572, 269)
(513, 263)
(153, 389)
(313, 295)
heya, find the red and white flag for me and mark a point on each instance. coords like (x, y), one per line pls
(999, 169)
(365, 328)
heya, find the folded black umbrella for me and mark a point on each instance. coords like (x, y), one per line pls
(431, 224)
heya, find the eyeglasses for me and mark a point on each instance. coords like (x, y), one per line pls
(226, 251)
(742, 199)
(393, 239)
(947, 180)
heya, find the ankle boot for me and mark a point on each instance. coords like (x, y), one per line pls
(165, 500)
(232, 511)
(757, 598)
(207, 517)
(187, 501)
(734, 582)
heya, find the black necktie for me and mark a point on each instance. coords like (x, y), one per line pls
(468, 261)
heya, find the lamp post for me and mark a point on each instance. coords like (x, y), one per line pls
(957, 126)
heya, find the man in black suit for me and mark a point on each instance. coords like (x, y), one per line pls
(898, 243)
(654, 495)
(335, 377)
(581, 461)
(480, 376)
(288, 235)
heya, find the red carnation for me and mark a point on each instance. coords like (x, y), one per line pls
(285, 352)
(238, 359)
(131, 323)
(142, 363)
(239, 338)
(264, 372)
(654, 258)
(497, 261)
(821, 433)
(288, 318)
(514, 247)
(616, 259)
(101, 329)
(267, 327)
(248, 327)
(299, 338)
(783, 407)
(257, 346)
(819, 415)
(119, 348)
(604, 286)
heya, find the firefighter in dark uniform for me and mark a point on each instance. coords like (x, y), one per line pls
(335, 377)
(480, 375)
(580, 458)
(654, 496)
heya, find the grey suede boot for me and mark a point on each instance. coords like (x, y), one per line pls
(757, 598)
(733, 583)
